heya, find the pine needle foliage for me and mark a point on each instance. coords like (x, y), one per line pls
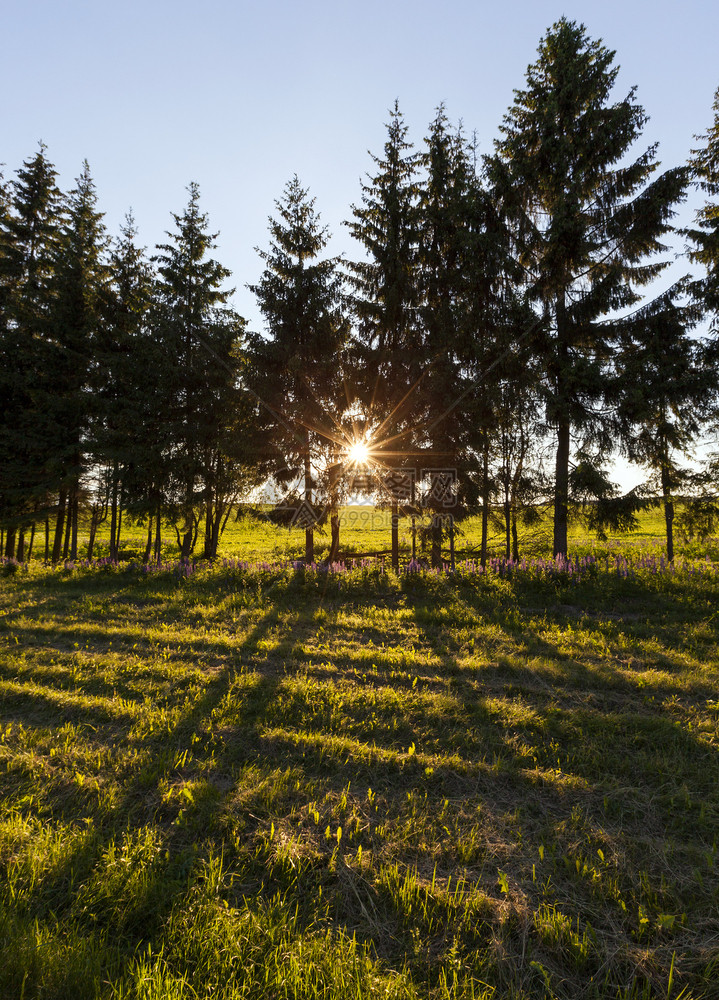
(704, 164)
(589, 223)
(199, 332)
(29, 234)
(295, 373)
(385, 286)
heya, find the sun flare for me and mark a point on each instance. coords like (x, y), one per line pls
(358, 453)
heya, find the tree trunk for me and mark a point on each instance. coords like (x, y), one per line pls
(10, 544)
(32, 541)
(436, 541)
(207, 546)
(148, 546)
(507, 525)
(209, 522)
(75, 511)
(395, 536)
(113, 515)
(91, 539)
(309, 532)
(21, 545)
(59, 525)
(485, 501)
(561, 469)
(68, 529)
(222, 521)
(94, 522)
(226, 518)
(668, 511)
(516, 480)
(506, 480)
(335, 538)
(189, 537)
(47, 540)
(561, 489)
(158, 537)
(217, 524)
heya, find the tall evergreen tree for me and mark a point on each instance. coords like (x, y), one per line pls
(497, 359)
(704, 250)
(386, 298)
(704, 164)
(128, 406)
(198, 332)
(664, 390)
(29, 235)
(79, 287)
(296, 373)
(444, 226)
(586, 223)
(5, 246)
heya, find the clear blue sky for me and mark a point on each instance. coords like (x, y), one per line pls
(240, 95)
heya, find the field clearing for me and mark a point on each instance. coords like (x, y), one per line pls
(280, 784)
(365, 529)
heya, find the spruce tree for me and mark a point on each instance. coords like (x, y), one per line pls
(128, 406)
(444, 228)
(664, 388)
(295, 374)
(79, 286)
(495, 347)
(586, 223)
(29, 235)
(704, 165)
(198, 332)
(704, 250)
(5, 246)
(385, 298)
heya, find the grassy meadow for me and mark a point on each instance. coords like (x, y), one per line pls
(277, 784)
(364, 530)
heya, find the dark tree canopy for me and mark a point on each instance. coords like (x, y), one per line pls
(199, 332)
(497, 309)
(587, 223)
(704, 164)
(296, 373)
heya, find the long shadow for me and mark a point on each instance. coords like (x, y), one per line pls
(329, 758)
(82, 683)
(36, 707)
(619, 736)
(138, 804)
(64, 639)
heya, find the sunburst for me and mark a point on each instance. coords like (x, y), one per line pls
(358, 453)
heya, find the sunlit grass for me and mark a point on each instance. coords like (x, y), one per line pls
(363, 529)
(279, 785)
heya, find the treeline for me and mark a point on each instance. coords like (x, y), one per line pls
(496, 317)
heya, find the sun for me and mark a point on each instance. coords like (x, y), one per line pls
(358, 453)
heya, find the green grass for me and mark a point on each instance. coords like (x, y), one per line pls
(274, 785)
(363, 530)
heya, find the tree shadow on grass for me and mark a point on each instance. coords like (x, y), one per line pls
(501, 784)
(137, 803)
(80, 889)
